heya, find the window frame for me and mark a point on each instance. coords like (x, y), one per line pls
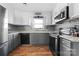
(38, 23)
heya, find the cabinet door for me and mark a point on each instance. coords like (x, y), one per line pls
(66, 51)
(53, 21)
(76, 9)
(22, 18)
(73, 9)
(39, 38)
(71, 6)
(15, 43)
(10, 16)
(42, 38)
(12, 44)
(27, 17)
(48, 18)
(18, 38)
(15, 40)
(4, 49)
(9, 45)
(26, 20)
(18, 20)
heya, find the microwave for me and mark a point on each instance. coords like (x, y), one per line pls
(64, 14)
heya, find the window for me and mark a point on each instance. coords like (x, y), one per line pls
(38, 23)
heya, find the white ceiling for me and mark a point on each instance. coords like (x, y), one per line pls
(31, 6)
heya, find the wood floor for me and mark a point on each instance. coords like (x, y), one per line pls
(31, 50)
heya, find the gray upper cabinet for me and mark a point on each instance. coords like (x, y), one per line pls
(27, 18)
(10, 16)
(74, 9)
(48, 18)
(19, 18)
(53, 21)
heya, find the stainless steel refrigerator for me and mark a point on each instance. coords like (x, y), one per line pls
(3, 31)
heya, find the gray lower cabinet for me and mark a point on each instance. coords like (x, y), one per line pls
(39, 38)
(10, 43)
(65, 51)
(4, 49)
(68, 48)
(13, 41)
(75, 46)
(65, 47)
(16, 41)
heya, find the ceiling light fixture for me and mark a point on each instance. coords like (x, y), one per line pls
(24, 3)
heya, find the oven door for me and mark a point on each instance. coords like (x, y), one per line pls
(57, 46)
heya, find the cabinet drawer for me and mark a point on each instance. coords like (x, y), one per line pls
(66, 42)
(66, 51)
